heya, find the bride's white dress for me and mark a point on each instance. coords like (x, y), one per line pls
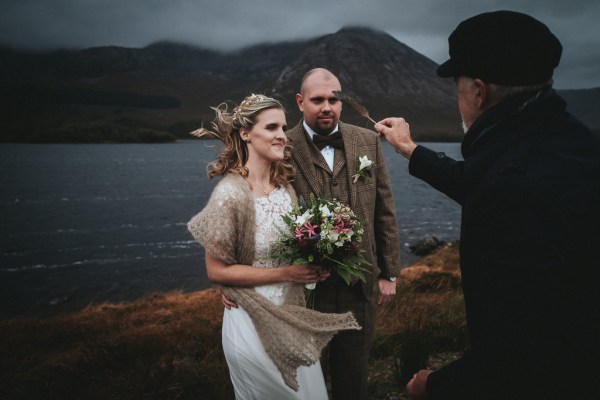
(253, 374)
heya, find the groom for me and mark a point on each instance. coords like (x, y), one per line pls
(325, 153)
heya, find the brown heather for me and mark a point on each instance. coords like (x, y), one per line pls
(168, 346)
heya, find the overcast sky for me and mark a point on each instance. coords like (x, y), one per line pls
(423, 25)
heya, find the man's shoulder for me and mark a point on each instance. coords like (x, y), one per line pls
(295, 130)
(346, 126)
(364, 133)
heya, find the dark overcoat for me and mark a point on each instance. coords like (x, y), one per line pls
(529, 188)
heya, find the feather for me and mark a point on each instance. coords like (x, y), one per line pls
(359, 108)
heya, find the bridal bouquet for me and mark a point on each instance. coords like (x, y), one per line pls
(325, 233)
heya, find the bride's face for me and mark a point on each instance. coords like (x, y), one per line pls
(267, 136)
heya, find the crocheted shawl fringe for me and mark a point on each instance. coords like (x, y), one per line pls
(291, 334)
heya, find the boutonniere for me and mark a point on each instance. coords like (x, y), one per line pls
(364, 169)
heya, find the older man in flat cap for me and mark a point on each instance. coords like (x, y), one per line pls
(529, 187)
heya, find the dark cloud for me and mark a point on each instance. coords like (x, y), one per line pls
(229, 24)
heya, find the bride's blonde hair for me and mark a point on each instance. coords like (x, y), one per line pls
(226, 127)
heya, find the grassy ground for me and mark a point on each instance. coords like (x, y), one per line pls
(424, 327)
(168, 346)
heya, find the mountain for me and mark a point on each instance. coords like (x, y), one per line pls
(385, 75)
(167, 88)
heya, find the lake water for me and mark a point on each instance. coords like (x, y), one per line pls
(92, 223)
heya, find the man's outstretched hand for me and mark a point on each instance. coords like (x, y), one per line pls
(397, 132)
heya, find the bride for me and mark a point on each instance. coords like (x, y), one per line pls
(272, 343)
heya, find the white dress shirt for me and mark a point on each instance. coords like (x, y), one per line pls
(327, 151)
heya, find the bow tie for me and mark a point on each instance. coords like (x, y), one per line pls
(334, 140)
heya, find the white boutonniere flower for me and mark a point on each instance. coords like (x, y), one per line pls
(364, 169)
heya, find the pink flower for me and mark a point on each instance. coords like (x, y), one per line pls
(340, 226)
(310, 229)
(341, 229)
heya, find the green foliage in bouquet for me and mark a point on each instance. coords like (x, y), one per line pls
(325, 233)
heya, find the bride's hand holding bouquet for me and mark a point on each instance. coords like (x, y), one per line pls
(324, 233)
(308, 274)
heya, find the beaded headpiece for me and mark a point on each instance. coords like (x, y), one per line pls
(247, 102)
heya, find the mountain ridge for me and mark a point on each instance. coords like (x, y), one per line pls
(169, 86)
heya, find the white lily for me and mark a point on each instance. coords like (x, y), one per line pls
(324, 210)
(303, 218)
(333, 236)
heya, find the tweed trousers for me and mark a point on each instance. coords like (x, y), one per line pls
(334, 296)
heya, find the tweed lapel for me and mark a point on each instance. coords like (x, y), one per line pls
(350, 150)
(301, 154)
(318, 158)
(339, 160)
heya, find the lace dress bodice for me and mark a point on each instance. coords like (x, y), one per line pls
(269, 226)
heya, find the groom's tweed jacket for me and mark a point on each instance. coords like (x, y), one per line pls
(370, 198)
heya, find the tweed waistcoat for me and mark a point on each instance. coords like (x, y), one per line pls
(335, 184)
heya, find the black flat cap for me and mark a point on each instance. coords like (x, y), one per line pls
(503, 47)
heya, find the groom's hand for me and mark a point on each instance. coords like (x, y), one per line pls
(387, 291)
(227, 302)
(417, 387)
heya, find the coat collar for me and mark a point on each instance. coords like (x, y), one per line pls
(506, 110)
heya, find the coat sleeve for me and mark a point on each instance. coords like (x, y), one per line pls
(440, 171)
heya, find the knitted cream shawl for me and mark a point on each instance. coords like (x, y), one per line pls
(291, 334)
